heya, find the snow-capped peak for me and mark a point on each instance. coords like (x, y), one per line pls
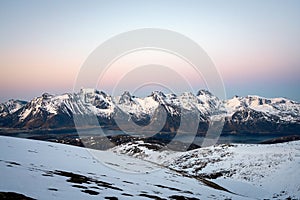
(125, 98)
(286, 109)
(10, 107)
(158, 96)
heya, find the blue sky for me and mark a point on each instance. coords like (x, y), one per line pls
(254, 44)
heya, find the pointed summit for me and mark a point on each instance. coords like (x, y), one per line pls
(158, 95)
(204, 92)
(46, 95)
(125, 98)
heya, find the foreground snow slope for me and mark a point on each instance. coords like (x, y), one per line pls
(44, 170)
(252, 170)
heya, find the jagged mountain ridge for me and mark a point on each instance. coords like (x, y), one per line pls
(251, 114)
(254, 114)
(8, 109)
(11, 106)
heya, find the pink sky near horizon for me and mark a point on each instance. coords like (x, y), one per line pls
(43, 45)
(45, 71)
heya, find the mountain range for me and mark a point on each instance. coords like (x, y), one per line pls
(241, 115)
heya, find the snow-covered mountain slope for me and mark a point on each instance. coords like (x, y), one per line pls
(42, 111)
(43, 170)
(50, 111)
(85, 102)
(255, 171)
(286, 109)
(10, 107)
(140, 109)
(253, 114)
(249, 114)
(8, 110)
(95, 102)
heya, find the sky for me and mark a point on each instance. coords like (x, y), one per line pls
(253, 44)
